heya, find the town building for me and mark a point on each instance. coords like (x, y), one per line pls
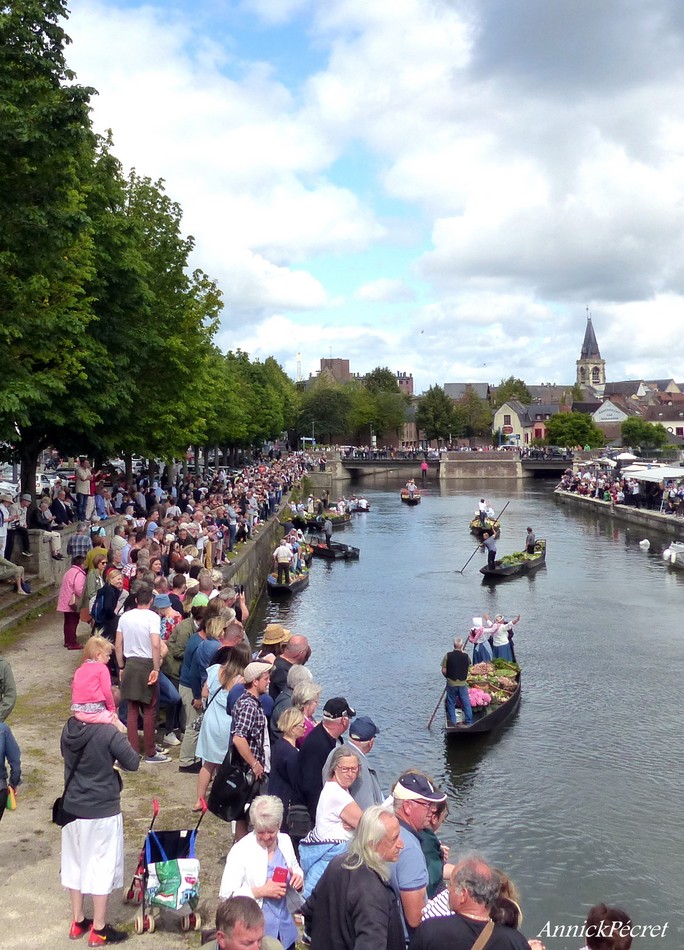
(591, 369)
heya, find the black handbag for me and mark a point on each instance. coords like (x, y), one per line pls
(61, 817)
(231, 790)
(299, 822)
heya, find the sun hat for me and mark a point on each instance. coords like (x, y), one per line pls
(5, 497)
(27, 497)
(199, 600)
(275, 633)
(161, 601)
(417, 788)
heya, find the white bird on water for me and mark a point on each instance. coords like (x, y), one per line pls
(645, 544)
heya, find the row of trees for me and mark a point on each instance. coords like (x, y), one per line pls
(333, 412)
(107, 338)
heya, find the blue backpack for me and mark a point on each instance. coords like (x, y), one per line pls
(98, 608)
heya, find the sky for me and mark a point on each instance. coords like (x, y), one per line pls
(444, 187)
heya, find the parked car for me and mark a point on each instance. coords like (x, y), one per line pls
(12, 488)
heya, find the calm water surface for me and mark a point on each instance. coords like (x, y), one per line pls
(580, 798)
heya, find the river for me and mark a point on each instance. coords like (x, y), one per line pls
(580, 798)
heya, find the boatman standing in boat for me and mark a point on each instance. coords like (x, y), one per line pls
(328, 530)
(482, 508)
(489, 542)
(530, 541)
(411, 486)
(283, 557)
(455, 668)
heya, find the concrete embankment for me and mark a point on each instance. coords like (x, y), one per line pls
(665, 524)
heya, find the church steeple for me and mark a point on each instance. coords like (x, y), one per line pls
(590, 350)
(591, 369)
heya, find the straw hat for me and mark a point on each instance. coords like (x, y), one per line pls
(275, 633)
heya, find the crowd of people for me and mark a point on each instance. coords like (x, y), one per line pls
(321, 845)
(666, 496)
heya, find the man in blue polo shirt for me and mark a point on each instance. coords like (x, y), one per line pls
(414, 796)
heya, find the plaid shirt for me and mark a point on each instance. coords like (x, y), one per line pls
(249, 722)
(79, 545)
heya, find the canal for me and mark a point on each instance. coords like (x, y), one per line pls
(580, 798)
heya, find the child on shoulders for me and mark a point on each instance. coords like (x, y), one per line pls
(92, 699)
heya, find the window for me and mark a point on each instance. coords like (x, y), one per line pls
(679, 430)
(583, 374)
(596, 375)
(507, 420)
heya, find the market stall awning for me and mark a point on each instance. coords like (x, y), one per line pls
(657, 474)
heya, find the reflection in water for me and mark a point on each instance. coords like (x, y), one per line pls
(580, 797)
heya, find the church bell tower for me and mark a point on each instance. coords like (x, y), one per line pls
(591, 369)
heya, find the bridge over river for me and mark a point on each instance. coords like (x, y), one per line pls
(452, 467)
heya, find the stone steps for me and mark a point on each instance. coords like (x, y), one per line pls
(15, 609)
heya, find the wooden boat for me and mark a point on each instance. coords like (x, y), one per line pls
(308, 522)
(490, 525)
(358, 510)
(336, 552)
(520, 563)
(488, 718)
(410, 499)
(297, 582)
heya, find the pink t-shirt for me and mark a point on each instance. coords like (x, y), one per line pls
(92, 684)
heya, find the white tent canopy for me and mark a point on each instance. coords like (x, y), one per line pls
(656, 474)
(625, 457)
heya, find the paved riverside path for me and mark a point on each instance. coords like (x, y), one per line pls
(34, 908)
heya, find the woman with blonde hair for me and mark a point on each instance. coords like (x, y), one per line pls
(214, 734)
(283, 774)
(305, 697)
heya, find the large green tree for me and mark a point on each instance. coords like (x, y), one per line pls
(569, 429)
(512, 388)
(436, 415)
(46, 245)
(474, 414)
(381, 380)
(326, 412)
(644, 435)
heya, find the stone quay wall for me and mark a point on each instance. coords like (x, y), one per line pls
(666, 524)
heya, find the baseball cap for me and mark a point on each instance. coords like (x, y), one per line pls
(256, 669)
(337, 707)
(417, 788)
(199, 600)
(364, 729)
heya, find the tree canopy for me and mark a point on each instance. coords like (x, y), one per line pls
(436, 415)
(644, 435)
(512, 388)
(573, 428)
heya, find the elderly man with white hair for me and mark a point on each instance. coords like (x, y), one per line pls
(353, 906)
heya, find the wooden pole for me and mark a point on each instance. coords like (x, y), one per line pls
(432, 717)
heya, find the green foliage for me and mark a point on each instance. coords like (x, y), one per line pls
(381, 380)
(573, 428)
(645, 435)
(326, 412)
(512, 388)
(436, 415)
(46, 249)
(474, 414)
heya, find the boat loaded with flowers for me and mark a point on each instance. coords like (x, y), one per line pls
(494, 691)
(520, 562)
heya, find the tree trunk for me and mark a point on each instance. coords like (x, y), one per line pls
(28, 452)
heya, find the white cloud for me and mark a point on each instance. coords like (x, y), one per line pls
(536, 175)
(385, 290)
